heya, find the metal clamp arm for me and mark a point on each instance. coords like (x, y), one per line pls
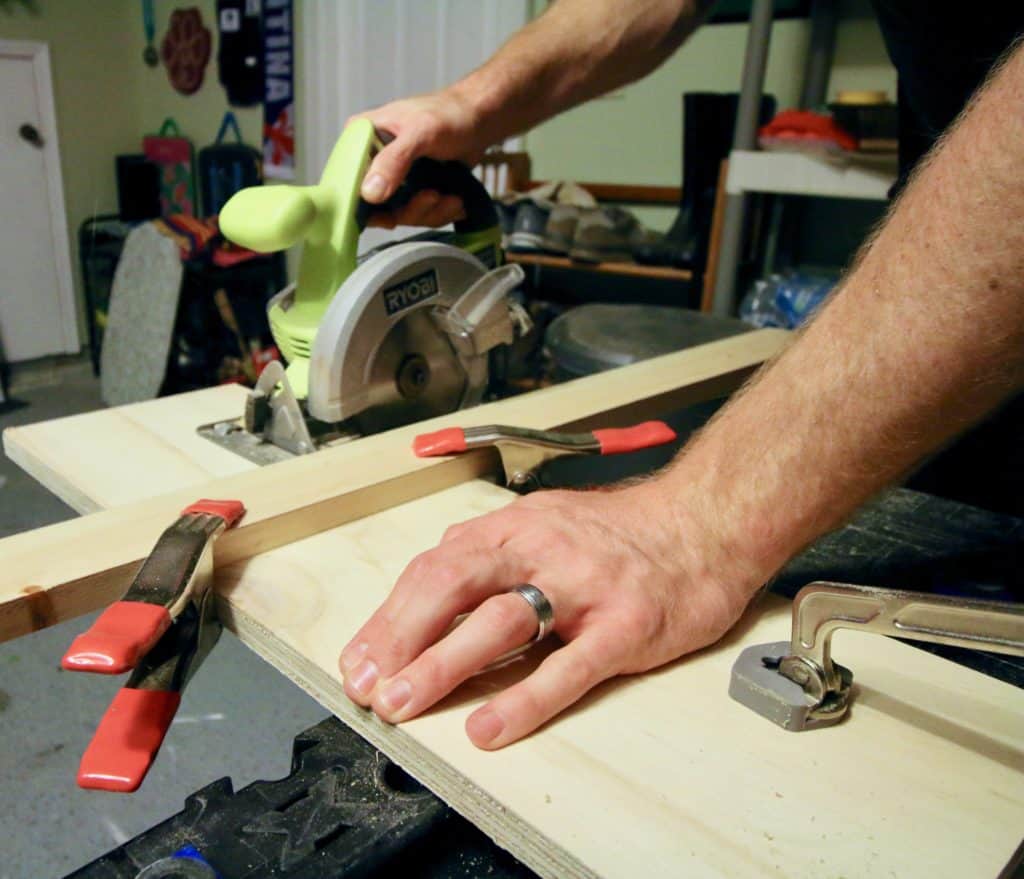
(523, 450)
(821, 608)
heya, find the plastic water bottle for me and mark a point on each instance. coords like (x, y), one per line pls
(758, 306)
(785, 300)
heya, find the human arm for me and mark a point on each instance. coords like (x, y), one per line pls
(575, 51)
(923, 338)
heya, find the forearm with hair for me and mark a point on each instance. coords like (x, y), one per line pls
(923, 338)
(575, 51)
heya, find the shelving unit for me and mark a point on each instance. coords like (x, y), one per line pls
(608, 268)
(869, 177)
(861, 177)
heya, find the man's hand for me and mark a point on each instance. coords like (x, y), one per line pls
(629, 593)
(576, 50)
(442, 125)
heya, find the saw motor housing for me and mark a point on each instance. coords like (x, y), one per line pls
(381, 341)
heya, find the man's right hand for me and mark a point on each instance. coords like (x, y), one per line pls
(442, 125)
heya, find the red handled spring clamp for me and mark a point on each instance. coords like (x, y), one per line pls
(524, 451)
(163, 628)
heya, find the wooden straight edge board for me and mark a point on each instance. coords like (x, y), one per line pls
(64, 570)
(659, 775)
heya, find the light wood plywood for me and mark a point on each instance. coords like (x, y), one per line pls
(657, 775)
(54, 573)
(664, 775)
(116, 456)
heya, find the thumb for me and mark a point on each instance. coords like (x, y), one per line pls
(388, 169)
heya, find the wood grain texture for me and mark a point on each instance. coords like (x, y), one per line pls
(153, 449)
(656, 775)
(664, 775)
(67, 569)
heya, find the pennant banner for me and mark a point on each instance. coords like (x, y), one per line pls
(279, 92)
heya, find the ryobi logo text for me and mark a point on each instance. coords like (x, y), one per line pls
(410, 292)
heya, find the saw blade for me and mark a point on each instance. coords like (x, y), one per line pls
(380, 359)
(415, 375)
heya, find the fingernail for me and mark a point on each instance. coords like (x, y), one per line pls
(396, 694)
(350, 658)
(484, 726)
(364, 677)
(374, 188)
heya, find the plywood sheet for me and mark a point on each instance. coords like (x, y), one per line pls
(70, 568)
(657, 775)
(662, 774)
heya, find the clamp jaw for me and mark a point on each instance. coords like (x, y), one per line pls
(524, 451)
(796, 684)
(163, 629)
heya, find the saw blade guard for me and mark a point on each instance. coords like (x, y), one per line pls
(329, 217)
(379, 347)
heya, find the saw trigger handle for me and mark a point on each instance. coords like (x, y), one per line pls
(447, 178)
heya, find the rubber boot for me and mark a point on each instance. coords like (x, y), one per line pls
(709, 121)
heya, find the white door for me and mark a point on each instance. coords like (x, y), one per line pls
(37, 311)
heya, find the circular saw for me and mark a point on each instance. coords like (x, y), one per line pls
(400, 335)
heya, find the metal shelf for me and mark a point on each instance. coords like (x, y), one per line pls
(860, 177)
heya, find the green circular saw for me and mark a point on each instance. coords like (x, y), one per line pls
(374, 343)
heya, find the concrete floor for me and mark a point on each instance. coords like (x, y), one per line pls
(237, 719)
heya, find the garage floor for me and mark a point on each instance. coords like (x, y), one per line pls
(237, 719)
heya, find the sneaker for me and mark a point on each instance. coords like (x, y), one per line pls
(531, 220)
(506, 211)
(561, 228)
(562, 192)
(608, 234)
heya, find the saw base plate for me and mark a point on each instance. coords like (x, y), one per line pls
(231, 434)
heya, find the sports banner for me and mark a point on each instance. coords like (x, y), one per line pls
(279, 90)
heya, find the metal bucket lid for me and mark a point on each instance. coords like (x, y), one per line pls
(594, 338)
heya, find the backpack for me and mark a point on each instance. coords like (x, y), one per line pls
(173, 152)
(224, 168)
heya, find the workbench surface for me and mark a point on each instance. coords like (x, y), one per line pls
(660, 774)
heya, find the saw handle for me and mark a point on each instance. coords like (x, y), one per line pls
(447, 178)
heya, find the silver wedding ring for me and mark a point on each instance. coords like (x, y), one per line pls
(541, 606)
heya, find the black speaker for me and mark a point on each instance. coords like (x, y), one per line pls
(138, 188)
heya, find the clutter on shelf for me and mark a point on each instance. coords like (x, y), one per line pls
(562, 218)
(786, 300)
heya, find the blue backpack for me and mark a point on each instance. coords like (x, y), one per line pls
(224, 168)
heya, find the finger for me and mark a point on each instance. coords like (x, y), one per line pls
(388, 169)
(419, 207)
(559, 681)
(382, 220)
(493, 529)
(435, 589)
(497, 626)
(447, 210)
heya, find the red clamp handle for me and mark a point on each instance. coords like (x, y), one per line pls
(615, 440)
(450, 441)
(229, 511)
(127, 739)
(121, 635)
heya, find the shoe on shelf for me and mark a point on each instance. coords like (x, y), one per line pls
(561, 229)
(563, 192)
(608, 234)
(506, 209)
(543, 227)
(529, 227)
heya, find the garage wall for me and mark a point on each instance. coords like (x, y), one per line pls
(92, 58)
(154, 99)
(634, 135)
